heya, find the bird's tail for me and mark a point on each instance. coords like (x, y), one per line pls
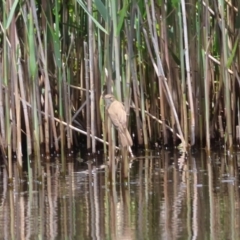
(125, 138)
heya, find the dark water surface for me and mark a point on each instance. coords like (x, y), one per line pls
(168, 197)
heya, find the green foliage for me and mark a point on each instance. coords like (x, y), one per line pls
(56, 37)
(175, 3)
(233, 54)
(122, 15)
(11, 14)
(102, 9)
(31, 42)
(93, 19)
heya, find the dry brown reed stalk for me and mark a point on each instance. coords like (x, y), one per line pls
(190, 96)
(24, 107)
(7, 85)
(87, 95)
(226, 80)
(136, 95)
(206, 78)
(91, 45)
(67, 108)
(2, 125)
(111, 153)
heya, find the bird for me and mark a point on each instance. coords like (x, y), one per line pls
(118, 116)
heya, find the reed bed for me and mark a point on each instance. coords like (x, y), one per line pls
(174, 65)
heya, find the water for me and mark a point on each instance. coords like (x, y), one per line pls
(168, 197)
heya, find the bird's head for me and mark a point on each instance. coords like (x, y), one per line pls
(109, 98)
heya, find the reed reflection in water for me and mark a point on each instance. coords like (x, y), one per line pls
(168, 197)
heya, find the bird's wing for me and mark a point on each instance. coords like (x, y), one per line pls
(118, 115)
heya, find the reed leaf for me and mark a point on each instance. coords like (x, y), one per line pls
(122, 15)
(81, 3)
(233, 53)
(31, 40)
(102, 9)
(11, 14)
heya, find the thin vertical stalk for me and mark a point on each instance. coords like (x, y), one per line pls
(38, 101)
(6, 85)
(91, 71)
(106, 73)
(59, 73)
(116, 46)
(102, 77)
(68, 109)
(206, 77)
(46, 106)
(136, 101)
(193, 58)
(18, 110)
(33, 69)
(125, 166)
(13, 81)
(25, 110)
(226, 78)
(2, 124)
(2, 114)
(231, 48)
(98, 87)
(126, 88)
(111, 152)
(190, 97)
(183, 82)
(87, 95)
(141, 85)
(67, 106)
(199, 94)
(133, 67)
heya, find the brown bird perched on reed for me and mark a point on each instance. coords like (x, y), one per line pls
(118, 116)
